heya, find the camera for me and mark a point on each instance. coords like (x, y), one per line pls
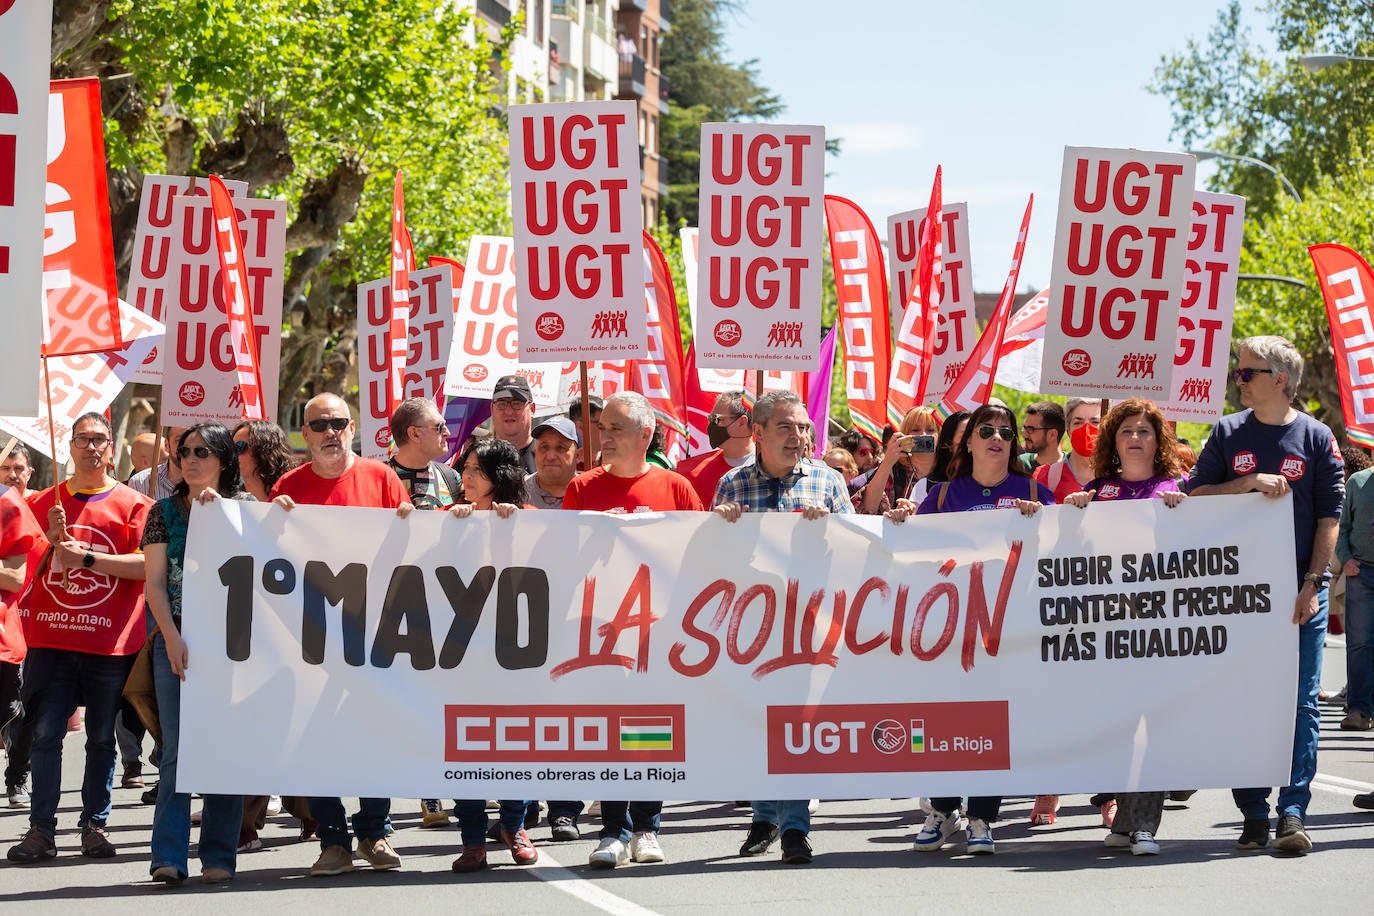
(919, 445)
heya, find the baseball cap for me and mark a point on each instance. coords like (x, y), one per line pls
(512, 386)
(561, 425)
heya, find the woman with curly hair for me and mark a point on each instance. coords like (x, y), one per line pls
(264, 456)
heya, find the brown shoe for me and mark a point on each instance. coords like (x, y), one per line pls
(34, 846)
(133, 775)
(474, 858)
(521, 849)
(168, 875)
(378, 854)
(215, 876)
(95, 845)
(1356, 722)
(333, 860)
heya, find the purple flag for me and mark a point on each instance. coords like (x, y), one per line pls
(818, 393)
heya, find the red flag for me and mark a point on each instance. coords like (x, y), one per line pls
(238, 310)
(454, 266)
(1347, 284)
(402, 261)
(659, 377)
(861, 287)
(915, 346)
(78, 248)
(973, 387)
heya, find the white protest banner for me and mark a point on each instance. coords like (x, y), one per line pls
(1023, 345)
(1203, 353)
(678, 655)
(574, 171)
(430, 332)
(957, 327)
(199, 383)
(82, 383)
(150, 280)
(486, 341)
(759, 254)
(1116, 280)
(25, 43)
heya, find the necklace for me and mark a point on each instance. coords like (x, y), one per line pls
(987, 491)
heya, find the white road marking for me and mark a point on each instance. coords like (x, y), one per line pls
(549, 870)
(1340, 785)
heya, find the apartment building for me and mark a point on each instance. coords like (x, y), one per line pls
(640, 25)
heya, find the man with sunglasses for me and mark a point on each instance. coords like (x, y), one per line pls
(732, 446)
(421, 438)
(1271, 448)
(84, 626)
(334, 476)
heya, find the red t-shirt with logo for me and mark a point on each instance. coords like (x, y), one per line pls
(20, 533)
(369, 483)
(95, 612)
(656, 490)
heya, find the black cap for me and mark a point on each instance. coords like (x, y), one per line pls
(512, 386)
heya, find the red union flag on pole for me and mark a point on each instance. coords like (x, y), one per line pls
(238, 310)
(1348, 289)
(915, 345)
(973, 387)
(402, 261)
(861, 288)
(659, 375)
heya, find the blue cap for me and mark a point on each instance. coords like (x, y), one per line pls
(561, 425)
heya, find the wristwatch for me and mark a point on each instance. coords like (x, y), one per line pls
(1314, 578)
(89, 559)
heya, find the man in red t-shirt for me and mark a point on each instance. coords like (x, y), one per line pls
(334, 476)
(728, 428)
(626, 482)
(84, 625)
(20, 533)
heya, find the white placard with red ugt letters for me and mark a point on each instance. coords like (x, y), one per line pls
(199, 383)
(430, 333)
(957, 330)
(1116, 281)
(759, 268)
(581, 655)
(1203, 356)
(574, 172)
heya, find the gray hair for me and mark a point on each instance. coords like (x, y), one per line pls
(764, 406)
(637, 408)
(1280, 355)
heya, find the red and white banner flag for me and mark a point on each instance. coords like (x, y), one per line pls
(575, 201)
(1117, 275)
(201, 361)
(1023, 345)
(429, 335)
(973, 387)
(760, 246)
(78, 249)
(658, 376)
(25, 46)
(238, 309)
(914, 348)
(1348, 289)
(402, 263)
(861, 287)
(1202, 354)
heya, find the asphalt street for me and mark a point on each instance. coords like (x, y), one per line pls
(864, 862)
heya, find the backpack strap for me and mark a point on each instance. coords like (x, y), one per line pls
(449, 477)
(940, 500)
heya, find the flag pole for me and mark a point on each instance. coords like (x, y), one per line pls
(56, 473)
(9, 447)
(586, 418)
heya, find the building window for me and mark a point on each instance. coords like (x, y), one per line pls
(536, 9)
(651, 144)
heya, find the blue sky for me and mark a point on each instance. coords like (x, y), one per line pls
(993, 90)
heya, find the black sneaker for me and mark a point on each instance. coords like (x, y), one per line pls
(149, 796)
(1365, 801)
(95, 845)
(796, 850)
(1182, 795)
(1254, 834)
(762, 835)
(35, 846)
(532, 815)
(564, 829)
(1291, 835)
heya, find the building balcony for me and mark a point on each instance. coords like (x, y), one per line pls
(495, 10)
(632, 74)
(627, 5)
(663, 18)
(662, 94)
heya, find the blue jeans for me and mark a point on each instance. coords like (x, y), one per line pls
(572, 809)
(1359, 641)
(1295, 797)
(622, 819)
(786, 815)
(221, 815)
(56, 682)
(372, 822)
(472, 819)
(983, 807)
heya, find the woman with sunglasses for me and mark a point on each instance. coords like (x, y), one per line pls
(1136, 457)
(264, 456)
(209, 468)
(984, 473)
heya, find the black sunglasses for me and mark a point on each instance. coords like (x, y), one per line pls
(338, 424)
(987, 431)
(199, 451)
(240, 446)
(1247, 374)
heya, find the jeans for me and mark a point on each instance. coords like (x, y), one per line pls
(16, 731)
(572, 809)
(220, 817)
(129, 732)
(1295, 797)
(794, 814)
(983, 807)
(56, 682)
(622, 819)
(1359, 641)
(472, 819)
(372, 822)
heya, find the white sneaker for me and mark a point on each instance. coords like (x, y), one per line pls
(644, 847)
(813, 806)
(1143, 844)
(273, 805)
(609, 853)
(924, 804)
(980, 838)
(1116, 841)
(937, 830)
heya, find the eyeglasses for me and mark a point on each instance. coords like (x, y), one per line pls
(508, 404)
(1027, 428)
(240, 446)
(199, 451)
(1247, 374)
(438, 428)
(338, 424)
(95, 442)
(720, 419)
(987, 431)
